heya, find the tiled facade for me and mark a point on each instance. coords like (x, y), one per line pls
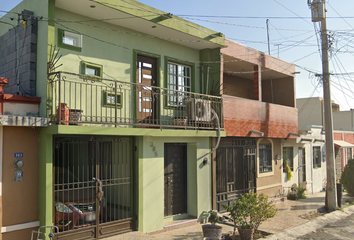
(244, 115)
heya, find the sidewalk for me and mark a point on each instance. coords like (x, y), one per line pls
(290, 215)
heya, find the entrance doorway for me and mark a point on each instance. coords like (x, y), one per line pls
(235, 170)
(93, 186)
(175, 179)
(147, 96)
(302, 166)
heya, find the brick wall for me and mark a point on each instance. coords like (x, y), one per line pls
(338, 162)
(26, 72)
(243, 115)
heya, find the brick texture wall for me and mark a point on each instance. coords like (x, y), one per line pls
(243, 115)
(25, 50)
(338, 162)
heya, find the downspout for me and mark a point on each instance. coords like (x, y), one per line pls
(219, 134)
(351, 113)
(202, 78)
(205, 160)
(207, 83)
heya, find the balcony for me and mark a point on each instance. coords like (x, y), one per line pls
(252, 118)
(87, 100)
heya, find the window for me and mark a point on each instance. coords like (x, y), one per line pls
(316, 157)
(110, 99)
(69, 40)
(349, 154)
(265, 158)
(289, 157)
(91, 69)
(178, 78)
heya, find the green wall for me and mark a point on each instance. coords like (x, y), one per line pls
(151, 180)
(112, 47)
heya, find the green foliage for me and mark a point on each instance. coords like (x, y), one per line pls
(250, 211)
(347, 178)
(296, 193)
(213, 218)
(287, 169)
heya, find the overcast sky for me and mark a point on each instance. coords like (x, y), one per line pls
(293, 36)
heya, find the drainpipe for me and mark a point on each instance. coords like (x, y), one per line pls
(202, 78)
(219, 135)
(207, 83)
(351, 113)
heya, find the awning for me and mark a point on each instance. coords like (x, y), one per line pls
(343, 144)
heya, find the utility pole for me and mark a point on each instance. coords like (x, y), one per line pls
(267, 22)
(318, 9)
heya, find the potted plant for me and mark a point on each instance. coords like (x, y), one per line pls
(248, 212)
(212, 230)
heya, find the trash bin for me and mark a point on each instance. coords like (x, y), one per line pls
(339, 194)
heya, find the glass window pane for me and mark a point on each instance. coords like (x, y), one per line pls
(178, 78)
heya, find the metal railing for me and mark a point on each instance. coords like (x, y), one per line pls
(83, 100)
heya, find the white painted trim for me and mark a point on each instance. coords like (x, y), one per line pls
(269, 186)
(26, 121)
(19, 226)
(1, 154)
(266, 174)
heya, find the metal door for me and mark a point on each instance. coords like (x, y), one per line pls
(250, 169)
(235, 170)
(302, 166)
(146, 94)
(93, 186)
(175, 179)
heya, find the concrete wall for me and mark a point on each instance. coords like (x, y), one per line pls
(343, 120)
(18, 50)
(39, 8)
(310, 112)
(19, 200)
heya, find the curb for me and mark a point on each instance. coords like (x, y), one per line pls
(312, 225)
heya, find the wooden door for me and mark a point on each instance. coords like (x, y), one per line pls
(175, 179)
(146, 93)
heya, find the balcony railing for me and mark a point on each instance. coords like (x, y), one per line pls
(85, 100)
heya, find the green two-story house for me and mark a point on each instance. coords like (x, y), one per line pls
(134, 113)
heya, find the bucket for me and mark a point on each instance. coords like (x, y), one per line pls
(64, 113)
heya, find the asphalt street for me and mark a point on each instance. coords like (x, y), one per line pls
(341, 229)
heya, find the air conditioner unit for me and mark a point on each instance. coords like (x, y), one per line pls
(198, 110)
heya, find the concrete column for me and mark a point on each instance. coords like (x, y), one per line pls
(257, 84)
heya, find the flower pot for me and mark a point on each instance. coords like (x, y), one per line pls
(213, 231)
(246, 233)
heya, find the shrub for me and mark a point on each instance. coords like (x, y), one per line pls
(213, 218)
(296, 193)
(250, 211)
(347, 178)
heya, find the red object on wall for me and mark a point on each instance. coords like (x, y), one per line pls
(64, 114)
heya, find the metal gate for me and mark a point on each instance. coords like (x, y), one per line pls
(93, 186)
(235, 170)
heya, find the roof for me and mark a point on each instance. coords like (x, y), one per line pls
(343, 144)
